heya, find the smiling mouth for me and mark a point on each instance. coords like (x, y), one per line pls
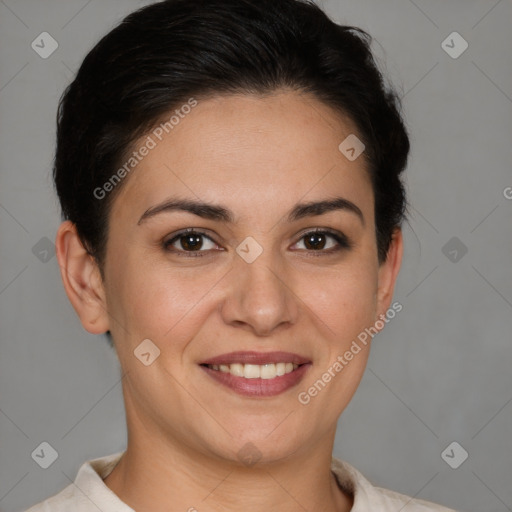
(257, 374)
(255, 371)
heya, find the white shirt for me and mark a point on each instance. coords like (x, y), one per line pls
(89, 493)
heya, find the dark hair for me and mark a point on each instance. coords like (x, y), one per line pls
(160, 56)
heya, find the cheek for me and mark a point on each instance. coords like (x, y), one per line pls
(344, 299)
(345, 303)
(163, 302)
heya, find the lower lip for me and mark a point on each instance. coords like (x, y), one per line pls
(259, 387)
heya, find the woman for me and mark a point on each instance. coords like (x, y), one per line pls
(229, 175)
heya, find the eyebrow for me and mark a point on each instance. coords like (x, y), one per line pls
(220, 213)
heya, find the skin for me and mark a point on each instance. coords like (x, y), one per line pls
(257, 156)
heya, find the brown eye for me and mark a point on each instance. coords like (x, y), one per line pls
(318, 241)
(315, 241)
(190, 241)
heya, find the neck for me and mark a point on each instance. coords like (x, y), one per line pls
(157, 476)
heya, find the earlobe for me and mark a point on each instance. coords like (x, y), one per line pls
(388, 272)
(81, 278)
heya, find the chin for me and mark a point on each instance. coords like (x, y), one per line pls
(266, 445)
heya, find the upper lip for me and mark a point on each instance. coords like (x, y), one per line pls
(251, 357)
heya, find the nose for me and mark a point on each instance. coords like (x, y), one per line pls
(260, 297)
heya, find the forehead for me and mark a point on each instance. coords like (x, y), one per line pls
(248, 151)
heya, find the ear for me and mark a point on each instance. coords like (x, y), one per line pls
(388, 272)
(82, 279)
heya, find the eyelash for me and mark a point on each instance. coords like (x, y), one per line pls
(342, 240)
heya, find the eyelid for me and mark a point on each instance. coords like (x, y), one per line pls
(329, 231)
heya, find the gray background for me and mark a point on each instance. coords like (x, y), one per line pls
(439, 372)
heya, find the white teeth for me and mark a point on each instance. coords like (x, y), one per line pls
(256, 371)
(251, 371)
(235, 369)
(268, 371)
(280, 369)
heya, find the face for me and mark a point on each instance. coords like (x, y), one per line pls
(250, 284)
